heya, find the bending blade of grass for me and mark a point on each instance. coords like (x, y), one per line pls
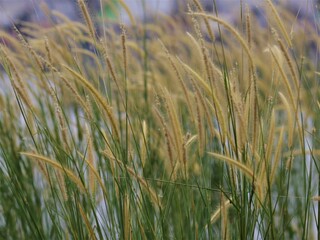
(58, 166)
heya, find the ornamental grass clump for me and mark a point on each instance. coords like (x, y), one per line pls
(181, 127)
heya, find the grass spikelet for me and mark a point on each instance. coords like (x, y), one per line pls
(248, 26)
(60, 16)
(124, 48)
(57, 166)
(300, 152)
(143, 142)
(180, 80)
(223, 207)
(90, 54)
(48, 51)
(276, 52)
(194, 41)
(30, 49)
(242, 167)
(168, 138)
(87, 18)
(18, 85)
(11, 65)
(60, 118)
(289, 62)
(254, 108)
(204, 51)
(6, 37)
(61, 124)
(277, 156)
(270, 137)
(94, 171)
(98, 97)
(90, 160)
(177, 132)
(110, 67)
(60, 179)
(62, 185)
(206, 21)
(284, 77)
(215, 107)
(126, 217)
(197, 77)
(190, 140)
(204, 106)
(238, 106)
(108, 152)
(200, 127)
(280, 23)
(232, 30)
(289, 118)
(87, 223)
(44, 170)
(78, 98)
(184, 157)
(24, 96)
(315, 198)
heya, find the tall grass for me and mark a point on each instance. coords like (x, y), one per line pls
(189, 127)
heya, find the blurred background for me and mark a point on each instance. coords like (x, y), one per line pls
(15, 11)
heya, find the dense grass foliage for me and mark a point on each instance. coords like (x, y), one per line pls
(184, 127)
